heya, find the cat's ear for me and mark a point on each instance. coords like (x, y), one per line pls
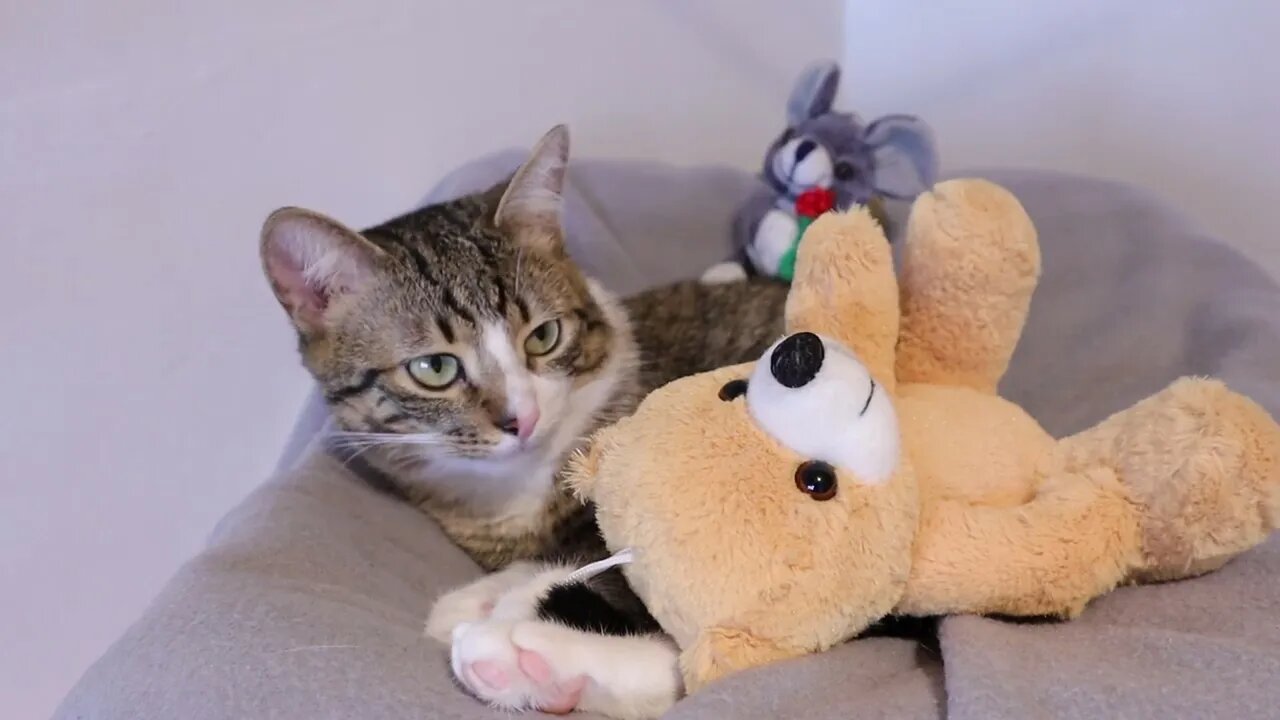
(531, 205)
(313, 263)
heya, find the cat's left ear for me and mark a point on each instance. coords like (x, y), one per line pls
(532, 204)
(315, 264)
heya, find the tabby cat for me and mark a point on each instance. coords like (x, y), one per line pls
(464, 357)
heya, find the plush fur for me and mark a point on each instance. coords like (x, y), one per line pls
(984, 512)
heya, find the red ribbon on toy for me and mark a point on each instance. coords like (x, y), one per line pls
(813, 202)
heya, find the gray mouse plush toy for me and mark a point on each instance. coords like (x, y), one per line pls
(824, 160)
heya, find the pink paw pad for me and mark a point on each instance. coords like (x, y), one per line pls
(534, 666)
(566, 697)
(490, 673)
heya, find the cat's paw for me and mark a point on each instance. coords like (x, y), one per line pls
(475, 601)
(487, 662)
(533, 664)
(725, 272)
(774, 237)
(457, 608)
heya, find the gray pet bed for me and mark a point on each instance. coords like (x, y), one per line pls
(309, 599)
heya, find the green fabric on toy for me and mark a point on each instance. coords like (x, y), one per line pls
(809, 205)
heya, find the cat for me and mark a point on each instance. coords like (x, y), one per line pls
(464, 357)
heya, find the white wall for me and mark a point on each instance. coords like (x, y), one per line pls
(148, 378)
(1180, 97)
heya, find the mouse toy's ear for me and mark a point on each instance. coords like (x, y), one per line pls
(904, 155)
(814, 92)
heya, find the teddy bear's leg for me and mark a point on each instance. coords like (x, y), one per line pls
(1078, 538)
(969, 266)
(1201, 466)
(844, 288)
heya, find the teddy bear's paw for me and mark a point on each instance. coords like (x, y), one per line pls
(963, 210)
(540, 665)
(722, 273)
(1202, 465)
(475, 601)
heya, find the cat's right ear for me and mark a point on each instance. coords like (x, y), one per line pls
(531, 206)
(314, 263)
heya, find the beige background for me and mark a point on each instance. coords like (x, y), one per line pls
(149, 380)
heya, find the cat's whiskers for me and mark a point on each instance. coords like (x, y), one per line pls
(349, 438)
(353, 444)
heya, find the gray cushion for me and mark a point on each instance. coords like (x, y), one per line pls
(308, 601)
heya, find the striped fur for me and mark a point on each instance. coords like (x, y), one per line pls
(437, 280)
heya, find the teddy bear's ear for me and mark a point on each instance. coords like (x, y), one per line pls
(580, 472)
(844, 287)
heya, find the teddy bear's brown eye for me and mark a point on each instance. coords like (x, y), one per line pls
(733, 389)
(816, 479)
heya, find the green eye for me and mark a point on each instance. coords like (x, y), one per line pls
(436, 372)
(543, 339)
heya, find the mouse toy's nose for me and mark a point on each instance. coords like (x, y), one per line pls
(797, 360)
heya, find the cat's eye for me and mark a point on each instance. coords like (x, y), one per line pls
(435, 372)
(543, 339)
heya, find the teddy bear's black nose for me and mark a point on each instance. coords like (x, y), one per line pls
(797, 360)
(804, 148)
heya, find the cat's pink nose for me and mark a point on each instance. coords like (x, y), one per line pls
(526, 422)
(521, 425)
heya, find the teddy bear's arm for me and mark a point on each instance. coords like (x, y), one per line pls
(823, 604)
(775, 631)
(1078, 538)
(845, 288)
(720, 651)
(970, 263)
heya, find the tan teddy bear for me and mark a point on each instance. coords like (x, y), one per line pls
(866, 466)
